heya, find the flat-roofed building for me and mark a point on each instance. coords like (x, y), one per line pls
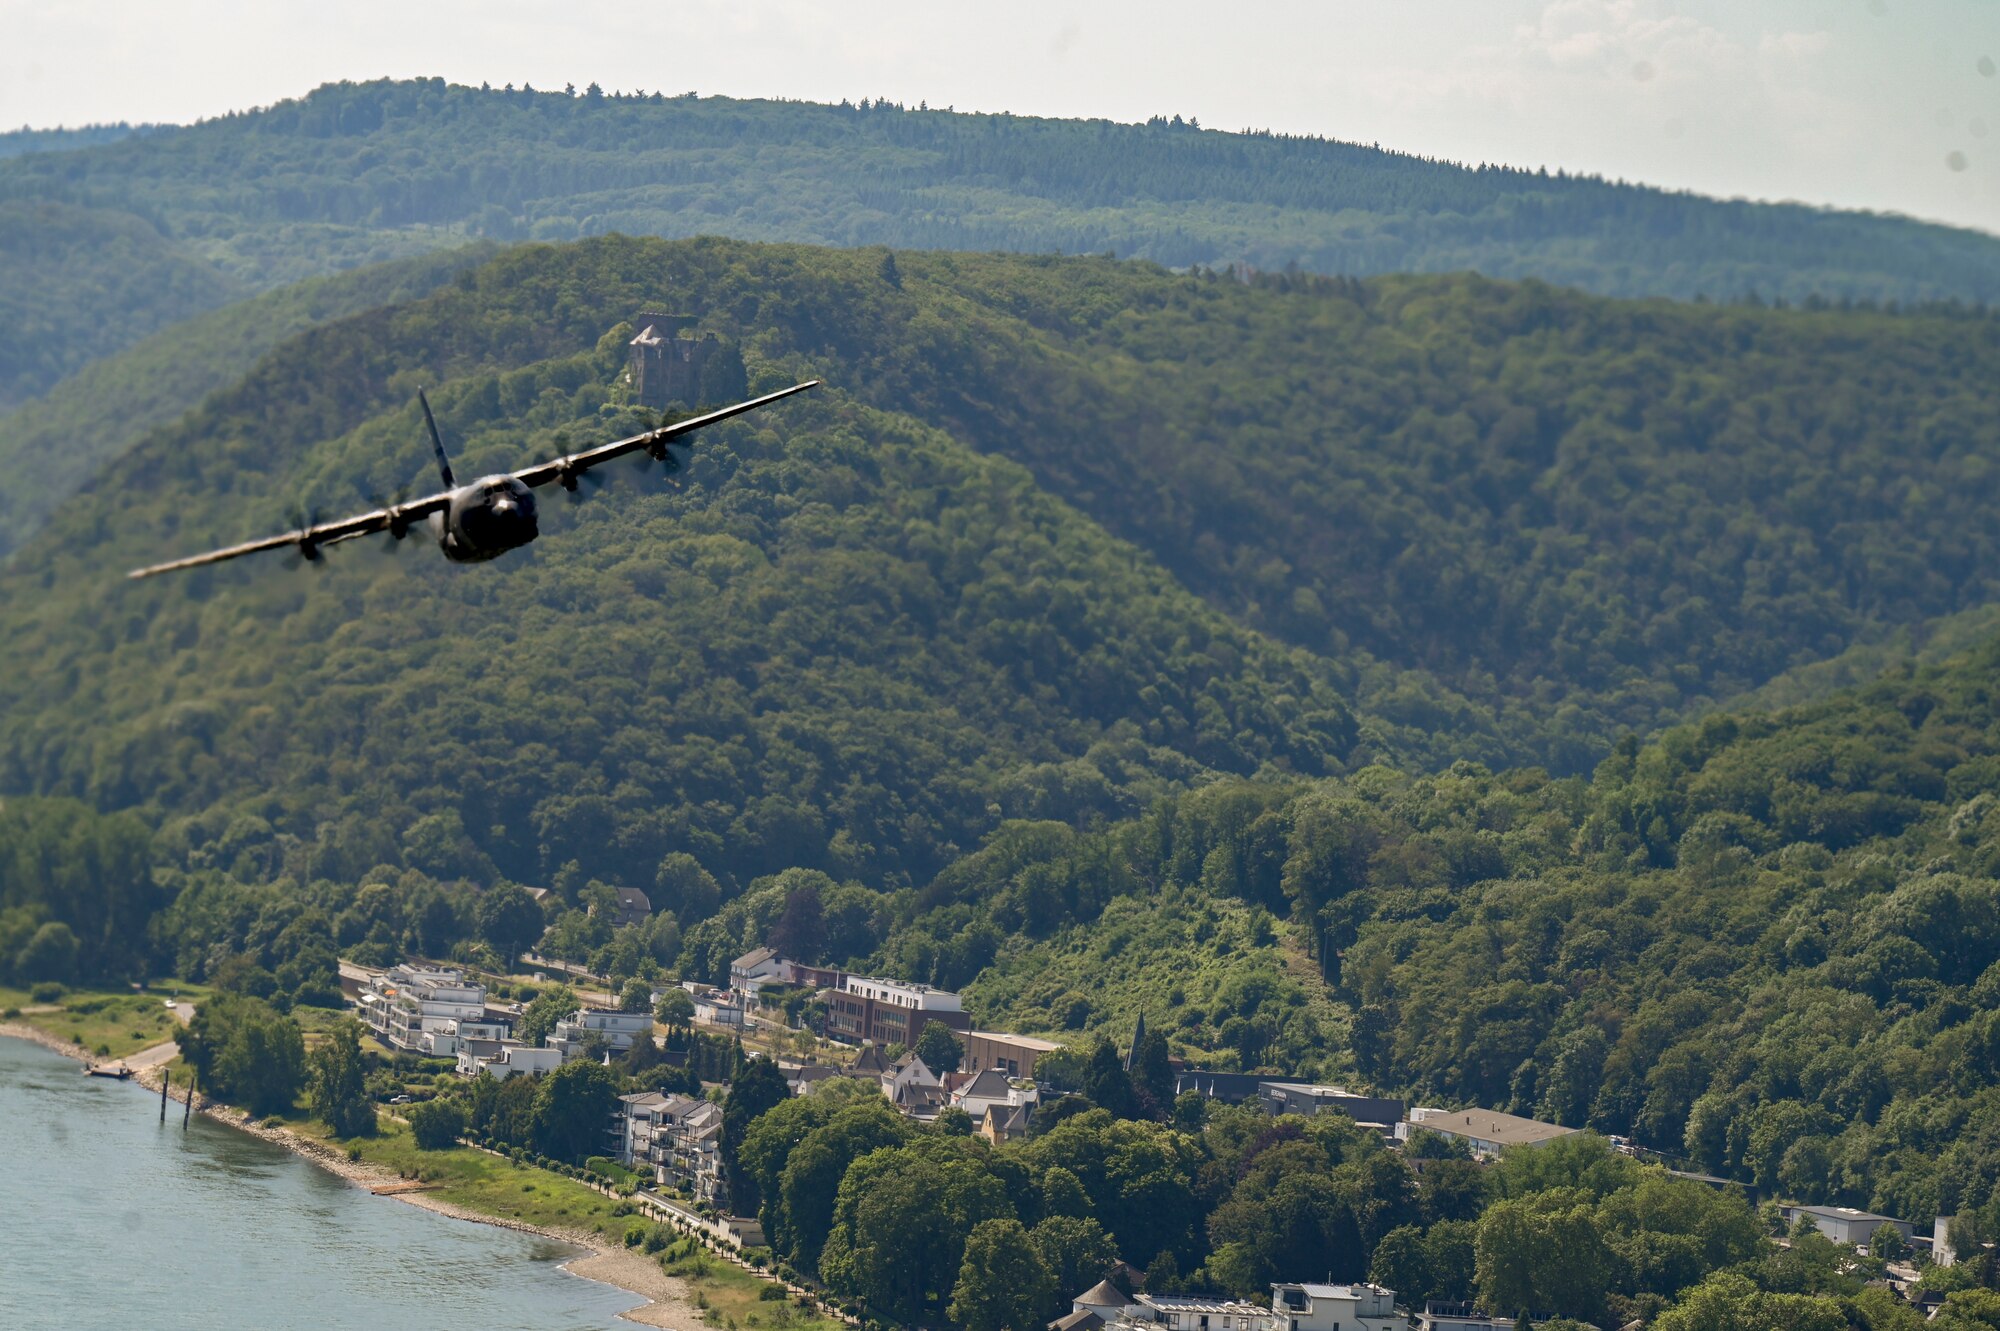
(1844, 1224)
(616, 1029)
(1438, 1316)
(889, 1011)
(1013, 1055)
(1295, 1097)
(1485, 1131)
(405, 1003)
(505, 1058)
(1334, 1308)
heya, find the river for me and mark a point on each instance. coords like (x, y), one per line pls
(109, 1220)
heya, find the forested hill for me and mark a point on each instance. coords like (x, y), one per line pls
(52, 446)
(864, 673)
(358, 172)
(1766, 944)
(1510, 522)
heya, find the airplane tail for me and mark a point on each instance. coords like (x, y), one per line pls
(437, 444)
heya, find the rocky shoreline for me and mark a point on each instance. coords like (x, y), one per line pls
(667, 1306)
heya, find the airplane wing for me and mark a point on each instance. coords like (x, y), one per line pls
(314, 538)
(403, 516)
(577, 463)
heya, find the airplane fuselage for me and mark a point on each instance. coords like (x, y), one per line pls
(485, 520)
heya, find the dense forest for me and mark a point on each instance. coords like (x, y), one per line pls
(1512, 522)
(912, 674)
(156, 225)
(53, 445)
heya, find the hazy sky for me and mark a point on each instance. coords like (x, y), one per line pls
(1886, 104)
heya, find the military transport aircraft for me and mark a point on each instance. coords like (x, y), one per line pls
(484, 518)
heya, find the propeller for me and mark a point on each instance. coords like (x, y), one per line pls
(579, 483)
(302, 521)
(399, 526)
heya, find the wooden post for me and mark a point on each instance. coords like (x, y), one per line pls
(187, 1105)
(166, 1079)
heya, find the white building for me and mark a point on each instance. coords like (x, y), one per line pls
(1293, 1308)
(1334, 1308)
(1844, 1224)
(1188, 1312)
(719, 1007)
(754, 969)
(506, 1058)
(405, 1003)
(616, 1029)
(676, 1137)
(447, 1042)
(1486, 1131)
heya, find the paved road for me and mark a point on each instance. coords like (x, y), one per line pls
(154, 1057)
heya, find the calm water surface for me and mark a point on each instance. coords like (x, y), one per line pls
(108, 1220)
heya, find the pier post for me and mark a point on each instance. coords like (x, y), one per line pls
(187, 1105)
(166, 1080)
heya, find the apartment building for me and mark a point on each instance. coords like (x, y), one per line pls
(405, 1004)
(889, 1011)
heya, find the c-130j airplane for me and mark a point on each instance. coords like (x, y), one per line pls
(481, 519)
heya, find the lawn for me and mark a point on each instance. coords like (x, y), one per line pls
(488, 1184)
(109, 1023)
(729, 1296)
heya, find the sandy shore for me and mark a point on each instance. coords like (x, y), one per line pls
(668, 1303)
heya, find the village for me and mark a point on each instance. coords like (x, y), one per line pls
(876, 1033)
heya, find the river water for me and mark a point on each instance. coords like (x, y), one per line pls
(109, 1220)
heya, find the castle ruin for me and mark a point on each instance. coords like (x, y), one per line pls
(665, 367)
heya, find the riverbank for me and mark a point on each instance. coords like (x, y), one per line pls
(668, 1304)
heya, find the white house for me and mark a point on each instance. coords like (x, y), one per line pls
(617, 1029)
(720, 1007)
(509, 1059)
(754, 969)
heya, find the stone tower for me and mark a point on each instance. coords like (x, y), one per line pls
(665, 366)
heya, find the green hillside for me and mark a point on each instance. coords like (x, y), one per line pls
(909, 674)
(1767, 945)
(52, 446)
(355, 173)
(832, 649)
(79, 283)
(1509, 522)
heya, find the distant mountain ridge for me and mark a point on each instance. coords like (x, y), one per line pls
(356, 173)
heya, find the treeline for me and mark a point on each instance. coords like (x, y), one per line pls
(360, 172)
(922, 1225)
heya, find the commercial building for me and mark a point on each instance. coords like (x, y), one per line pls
(1486, 1132)
(1013, 1055)
(888, 1011)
